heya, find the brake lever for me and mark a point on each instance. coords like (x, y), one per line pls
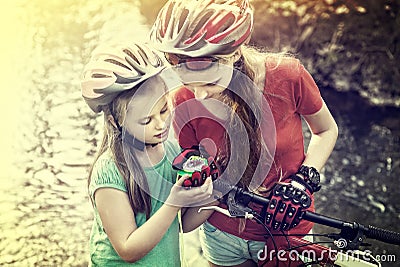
(245, 215)
(216, 208)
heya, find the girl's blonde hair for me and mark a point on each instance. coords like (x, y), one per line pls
(134, 176)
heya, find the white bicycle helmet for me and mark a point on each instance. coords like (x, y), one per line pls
(202, 28)
(114, 69)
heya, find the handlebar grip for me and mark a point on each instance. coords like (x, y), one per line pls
(383, 235)
(224, 187)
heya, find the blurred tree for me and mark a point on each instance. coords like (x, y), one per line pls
(347, 45)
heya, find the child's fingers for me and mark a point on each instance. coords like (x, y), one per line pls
(180, 181)
(204, 190)
(208, 180)
(207, 187)
(196, 196)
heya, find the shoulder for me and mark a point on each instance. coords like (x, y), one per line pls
(284, 67)
(106, 174)
(272, 67)
(272, 63)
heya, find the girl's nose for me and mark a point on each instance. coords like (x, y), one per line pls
(159, 123)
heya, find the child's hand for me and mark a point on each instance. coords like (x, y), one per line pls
(190, 196)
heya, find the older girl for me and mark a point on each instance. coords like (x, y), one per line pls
(207, 41)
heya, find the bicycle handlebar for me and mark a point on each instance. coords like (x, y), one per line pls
(383, 235)
(243, 196)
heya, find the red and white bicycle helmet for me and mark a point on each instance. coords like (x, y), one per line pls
(202, 28)
(114, 69)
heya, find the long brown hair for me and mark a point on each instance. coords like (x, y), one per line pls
(246, 107)
(135, 180)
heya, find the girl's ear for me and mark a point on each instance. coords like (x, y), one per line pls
(110, 118)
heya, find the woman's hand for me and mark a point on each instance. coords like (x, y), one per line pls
(190, 196)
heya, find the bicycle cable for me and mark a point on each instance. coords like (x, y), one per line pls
(288, 242)
(258, 220)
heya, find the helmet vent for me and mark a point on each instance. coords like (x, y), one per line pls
(240, 31)
(226, 25)
(130, 54)
(167, 17)
(113, 61)
(99, 75)
(182, 19)
(200, 23)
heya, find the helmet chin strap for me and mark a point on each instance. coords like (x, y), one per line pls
(136, 143)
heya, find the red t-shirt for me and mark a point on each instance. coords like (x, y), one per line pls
(290, 92)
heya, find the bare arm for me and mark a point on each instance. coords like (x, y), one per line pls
(324, 132)
(191, 218)
(130, 242)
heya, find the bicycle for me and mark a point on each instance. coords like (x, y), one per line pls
(350, 238)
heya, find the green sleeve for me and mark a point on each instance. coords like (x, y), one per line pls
(105, 174)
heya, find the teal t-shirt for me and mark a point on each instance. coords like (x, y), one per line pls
(160, 179)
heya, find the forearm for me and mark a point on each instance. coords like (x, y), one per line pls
(320, 147)
(324, 134)
(192, 219)
(147, 236)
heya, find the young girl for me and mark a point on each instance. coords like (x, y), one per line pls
(205, 39)
(131, 183)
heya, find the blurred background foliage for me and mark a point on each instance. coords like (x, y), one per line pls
(348, 45)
